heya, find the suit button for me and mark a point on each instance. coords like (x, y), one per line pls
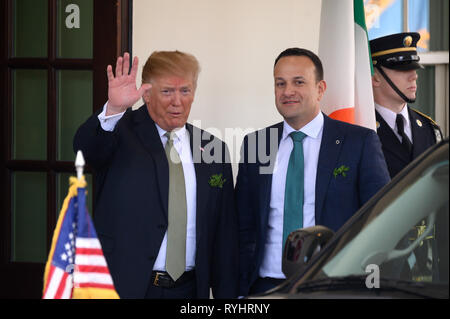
(151, 258)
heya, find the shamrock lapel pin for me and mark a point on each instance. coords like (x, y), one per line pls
(341, 171)
(216, 180)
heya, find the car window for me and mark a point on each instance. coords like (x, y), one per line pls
(406, 233)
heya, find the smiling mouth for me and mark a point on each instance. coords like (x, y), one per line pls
(290, 102)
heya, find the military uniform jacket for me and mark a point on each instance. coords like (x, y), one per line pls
(425, 133)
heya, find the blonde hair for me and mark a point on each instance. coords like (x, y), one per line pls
(163, 63)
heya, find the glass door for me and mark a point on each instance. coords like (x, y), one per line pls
(54, 56)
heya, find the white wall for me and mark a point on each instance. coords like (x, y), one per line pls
(236, 42)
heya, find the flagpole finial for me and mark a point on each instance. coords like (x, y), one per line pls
(79, 164)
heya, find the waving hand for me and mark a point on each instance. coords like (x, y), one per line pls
(122, 91)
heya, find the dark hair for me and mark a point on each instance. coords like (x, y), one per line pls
(303, 52)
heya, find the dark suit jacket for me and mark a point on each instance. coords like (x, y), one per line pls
(130, 215)
(337, 198)
(423, 134)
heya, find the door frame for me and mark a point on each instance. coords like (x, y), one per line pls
(112, 35)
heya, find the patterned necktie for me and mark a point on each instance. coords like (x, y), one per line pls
(176, 232)
(293, 195)
(401, 131)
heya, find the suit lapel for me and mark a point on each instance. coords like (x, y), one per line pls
(390, 141)
(265, 180)
(202, 170)
(419, 142)
(148, 134)
(330, 148)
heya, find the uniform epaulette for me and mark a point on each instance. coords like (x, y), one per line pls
(435, 126)
(425, 116)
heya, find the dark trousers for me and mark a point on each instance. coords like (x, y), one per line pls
(263, 284)
(186, 290)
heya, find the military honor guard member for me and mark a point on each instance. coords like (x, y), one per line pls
(405, 133)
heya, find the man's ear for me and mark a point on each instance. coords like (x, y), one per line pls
(376, 78)
(322, 88)
(146, 95)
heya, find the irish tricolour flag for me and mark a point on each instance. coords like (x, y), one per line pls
(344, 51)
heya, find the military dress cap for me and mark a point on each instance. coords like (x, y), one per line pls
(396, 51)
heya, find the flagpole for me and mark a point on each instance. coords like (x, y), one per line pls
(79, 164)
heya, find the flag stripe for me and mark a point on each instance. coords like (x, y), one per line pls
(364, 104)
(337, 52)
(50, 275)
(90, 260)
(88, 243)
(67, 292)
(344, 114)
(95, 269)
(360, 20)
(53, 282)
(92, 277)
(358, 13)
(89, 251)
(62, 285)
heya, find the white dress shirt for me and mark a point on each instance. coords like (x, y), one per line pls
(273, 251)
(183, 147)
(390, 118)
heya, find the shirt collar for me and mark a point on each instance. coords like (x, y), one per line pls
(390, 116)
(180, 132)
(312, 129)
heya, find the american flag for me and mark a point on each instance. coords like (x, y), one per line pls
(76, 267)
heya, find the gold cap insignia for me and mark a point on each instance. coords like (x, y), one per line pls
(419, 123)
(407, 41)
(377, 124)
(374, 62)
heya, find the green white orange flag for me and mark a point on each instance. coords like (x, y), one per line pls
(345, 54)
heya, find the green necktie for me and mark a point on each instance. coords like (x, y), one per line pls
(176, 232)
(293, 195)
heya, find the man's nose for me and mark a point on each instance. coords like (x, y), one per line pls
(413, 75)
(289, 90)
(176, 100)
